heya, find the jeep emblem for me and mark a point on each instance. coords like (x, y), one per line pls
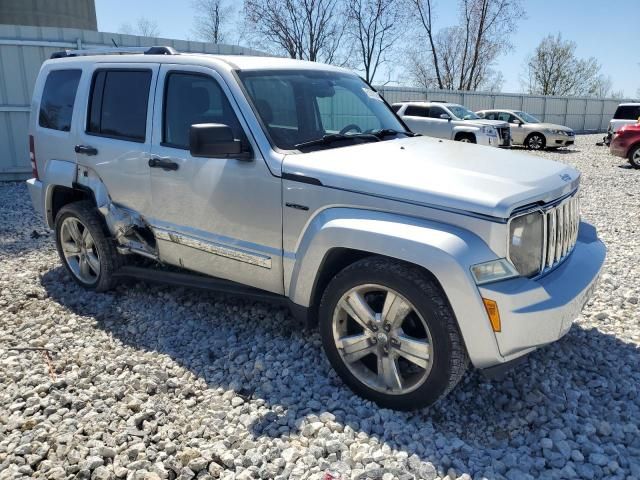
(566, 177)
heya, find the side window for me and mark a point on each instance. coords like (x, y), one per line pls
(58, 98)
(435, 112)
(189, 99)
(627, 112)
(489, 115)
(505, 117)
(416, 111)
(118, 104)
(396, 107)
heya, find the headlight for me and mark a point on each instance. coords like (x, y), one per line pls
(525, 243)
(558, 132)
(489, 131)
(493, 271)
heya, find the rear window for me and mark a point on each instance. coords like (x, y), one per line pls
(58, 97)
(395, 108)
(118, 104)
(627, 112)
(415, 111)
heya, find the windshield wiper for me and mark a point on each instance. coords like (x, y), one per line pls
(387, 132)
(336, 137)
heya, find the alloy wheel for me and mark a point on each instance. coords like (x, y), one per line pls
(535, 142)
(79, 249)
(382, 339)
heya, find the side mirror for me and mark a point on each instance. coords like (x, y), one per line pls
(445, 116)
(518, 122)
(213, 140)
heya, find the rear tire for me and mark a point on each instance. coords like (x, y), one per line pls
(634, 156)
(405, 350)
(535, 141)
(84, 246)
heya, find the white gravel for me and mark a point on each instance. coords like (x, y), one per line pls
(156, 382)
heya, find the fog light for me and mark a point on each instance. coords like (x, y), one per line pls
(494, 314)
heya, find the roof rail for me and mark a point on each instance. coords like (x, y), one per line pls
(159, 50)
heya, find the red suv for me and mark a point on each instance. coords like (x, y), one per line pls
(626, 143)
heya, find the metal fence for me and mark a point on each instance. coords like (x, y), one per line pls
(22, 51)
(580, 113)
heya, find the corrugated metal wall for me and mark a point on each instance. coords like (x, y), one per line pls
(581, 114)
(22, 51)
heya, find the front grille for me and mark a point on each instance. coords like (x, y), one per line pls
(561, 231)
(505, 135)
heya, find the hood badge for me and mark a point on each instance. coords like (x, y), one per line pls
(566, 177)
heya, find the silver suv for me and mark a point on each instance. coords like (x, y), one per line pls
(284, 179)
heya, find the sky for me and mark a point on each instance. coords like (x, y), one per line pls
(602, 29)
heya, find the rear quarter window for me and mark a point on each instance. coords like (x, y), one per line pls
(416, 111)
(58, 99)
(627, 112)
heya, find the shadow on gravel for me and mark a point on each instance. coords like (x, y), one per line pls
(573, 385)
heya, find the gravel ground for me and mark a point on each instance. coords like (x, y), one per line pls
(153, 382)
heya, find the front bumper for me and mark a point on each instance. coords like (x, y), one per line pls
(535, 312)
(482, 139)
(554, 140)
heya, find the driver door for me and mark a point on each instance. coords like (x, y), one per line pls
(518, 133)
(218, 216)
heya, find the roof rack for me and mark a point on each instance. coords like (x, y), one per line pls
(160, 50)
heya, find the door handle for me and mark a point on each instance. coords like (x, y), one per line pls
(86, 150)
(163, 163)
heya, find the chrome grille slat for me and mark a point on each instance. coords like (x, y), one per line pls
(562, 224)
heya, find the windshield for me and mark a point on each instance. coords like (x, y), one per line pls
(462, 113)
(301, 106)
(527, 118)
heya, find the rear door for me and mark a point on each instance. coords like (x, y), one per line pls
(115, 140)
(416, 118)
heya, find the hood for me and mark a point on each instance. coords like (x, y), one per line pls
(439, 173)
(550, 126)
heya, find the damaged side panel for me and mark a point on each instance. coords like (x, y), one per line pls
(128, 228)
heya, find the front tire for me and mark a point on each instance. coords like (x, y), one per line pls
(634, 157)
(390, 334)
(466, 138)
(85, 249)
(535, 141)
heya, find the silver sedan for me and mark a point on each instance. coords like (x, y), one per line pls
(527, 130)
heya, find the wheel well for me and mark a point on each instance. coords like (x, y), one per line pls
(536, 133)
(632, 148)
(460, 135)
(336, 260)
(62, 196)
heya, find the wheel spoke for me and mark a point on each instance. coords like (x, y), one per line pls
(70, 248)
(358, 309)
(93, 262)
(355, 347)
(395, 310)
(84, 267)
(74, 231)
(87, 239)
(415, 350)
(388, 372)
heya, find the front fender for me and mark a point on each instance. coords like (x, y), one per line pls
(465, 129)
(446, 251)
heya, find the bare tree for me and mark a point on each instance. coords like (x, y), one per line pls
(143, 27)
(304, 29)
(375, 26)
(554, 69)
(462, 57)
(212, 17)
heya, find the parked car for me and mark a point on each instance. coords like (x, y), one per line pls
(626, 144)
(453, 122)
(414, 256)
(626, 114)
(527, 130)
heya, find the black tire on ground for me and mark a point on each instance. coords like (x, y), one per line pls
(466, 137)
(634, 156)
(535, 141)
(449, 355)
(109, 258)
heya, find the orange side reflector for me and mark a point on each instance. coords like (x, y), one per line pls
(494, 315)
